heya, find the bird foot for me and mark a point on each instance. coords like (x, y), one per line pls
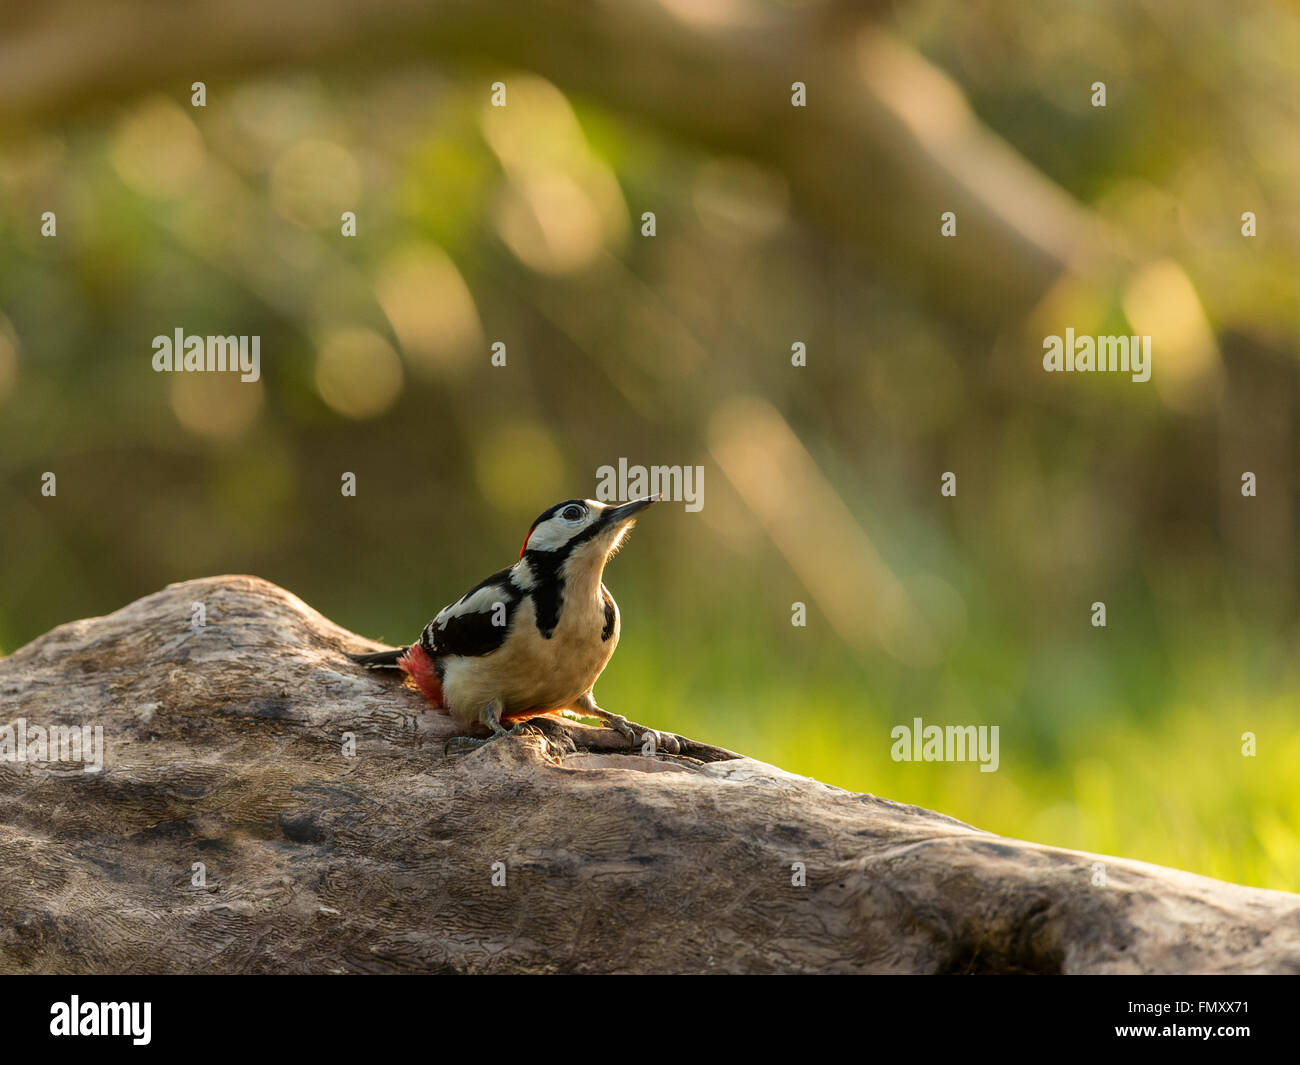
(636, 735)
(474, 742)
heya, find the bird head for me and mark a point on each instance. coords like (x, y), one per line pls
(583, 529)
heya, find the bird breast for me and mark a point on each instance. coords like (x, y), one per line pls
(531, 672)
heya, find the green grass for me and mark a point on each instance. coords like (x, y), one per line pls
(1162, 781)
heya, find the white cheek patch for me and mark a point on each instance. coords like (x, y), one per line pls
(546, 537)
(555, 532)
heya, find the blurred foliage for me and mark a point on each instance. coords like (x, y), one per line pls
(522, 225)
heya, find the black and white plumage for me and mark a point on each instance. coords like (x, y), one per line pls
(531, 638)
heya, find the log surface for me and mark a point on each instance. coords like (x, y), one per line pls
(225, 746)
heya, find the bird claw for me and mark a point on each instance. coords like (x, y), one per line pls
(661, 741)
(670, 743)
(474, 742)
(623, 727)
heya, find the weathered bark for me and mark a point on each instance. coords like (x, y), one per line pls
(224, 746)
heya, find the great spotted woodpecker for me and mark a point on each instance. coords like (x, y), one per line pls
(533, 638)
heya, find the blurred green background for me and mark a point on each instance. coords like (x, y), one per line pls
(774, 225)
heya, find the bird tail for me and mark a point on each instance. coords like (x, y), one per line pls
(379, 659)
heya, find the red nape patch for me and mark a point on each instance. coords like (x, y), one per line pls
(417, 665)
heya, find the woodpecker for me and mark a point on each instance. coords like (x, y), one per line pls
(532, 638)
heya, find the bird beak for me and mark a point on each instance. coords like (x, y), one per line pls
(619, 515)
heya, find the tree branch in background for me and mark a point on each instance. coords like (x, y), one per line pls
(885, 145)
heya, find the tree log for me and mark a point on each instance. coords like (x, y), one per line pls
(224, 744)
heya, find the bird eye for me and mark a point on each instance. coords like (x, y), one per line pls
(572, 512)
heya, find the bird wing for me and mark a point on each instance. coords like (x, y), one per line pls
(476, 623)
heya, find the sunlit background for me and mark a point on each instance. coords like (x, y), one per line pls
(774, 225)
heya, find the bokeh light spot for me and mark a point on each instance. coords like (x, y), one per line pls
(157, 150)
(358, 374)
(8, 360)
(519, 466)
(314, 182)
(216, 406)
(430, 308)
